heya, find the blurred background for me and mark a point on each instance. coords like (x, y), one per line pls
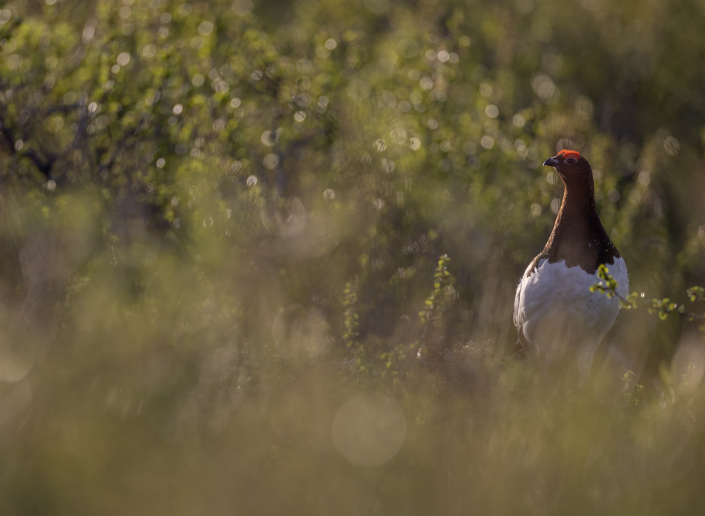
(259, 257)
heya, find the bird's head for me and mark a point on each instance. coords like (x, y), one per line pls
(570, 165)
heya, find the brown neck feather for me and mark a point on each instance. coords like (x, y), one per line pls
(575, 220)
(578, 236)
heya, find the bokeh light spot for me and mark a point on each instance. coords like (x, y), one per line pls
(243, 7)
(271, 161)
(123, 58)
(487, 141)
(671, 145)
(492, 111)
(408, 48)
(369, 431)
(205, 28)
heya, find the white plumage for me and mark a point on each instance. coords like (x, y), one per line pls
(557, 313)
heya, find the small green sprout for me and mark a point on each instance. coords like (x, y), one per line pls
(663, 307)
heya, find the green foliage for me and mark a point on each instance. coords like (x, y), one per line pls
(608, 285)
(350, 316)
(442, 294)
(696, 293)
(351, 325)
(663, 307)
(630, 391)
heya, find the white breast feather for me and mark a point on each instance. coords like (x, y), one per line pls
(556, 310)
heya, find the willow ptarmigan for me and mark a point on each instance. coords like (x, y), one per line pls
(556, 315)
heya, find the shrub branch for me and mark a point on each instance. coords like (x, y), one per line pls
(663, 307)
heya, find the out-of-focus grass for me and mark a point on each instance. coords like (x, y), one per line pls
(219, 228)
(478, 435)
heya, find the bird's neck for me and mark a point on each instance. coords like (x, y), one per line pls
(577, 224)
(578, 208)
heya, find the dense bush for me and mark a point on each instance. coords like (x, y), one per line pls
(250, 250)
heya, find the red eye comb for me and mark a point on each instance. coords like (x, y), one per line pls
(569, 154)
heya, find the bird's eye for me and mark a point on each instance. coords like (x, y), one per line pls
(570, 161)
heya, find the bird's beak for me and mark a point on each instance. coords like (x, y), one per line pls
(551, 162)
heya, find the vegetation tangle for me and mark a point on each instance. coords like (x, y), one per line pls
(260, 257)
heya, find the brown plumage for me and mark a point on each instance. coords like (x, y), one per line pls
(578, 236)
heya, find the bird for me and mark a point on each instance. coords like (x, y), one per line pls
(558, 319)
